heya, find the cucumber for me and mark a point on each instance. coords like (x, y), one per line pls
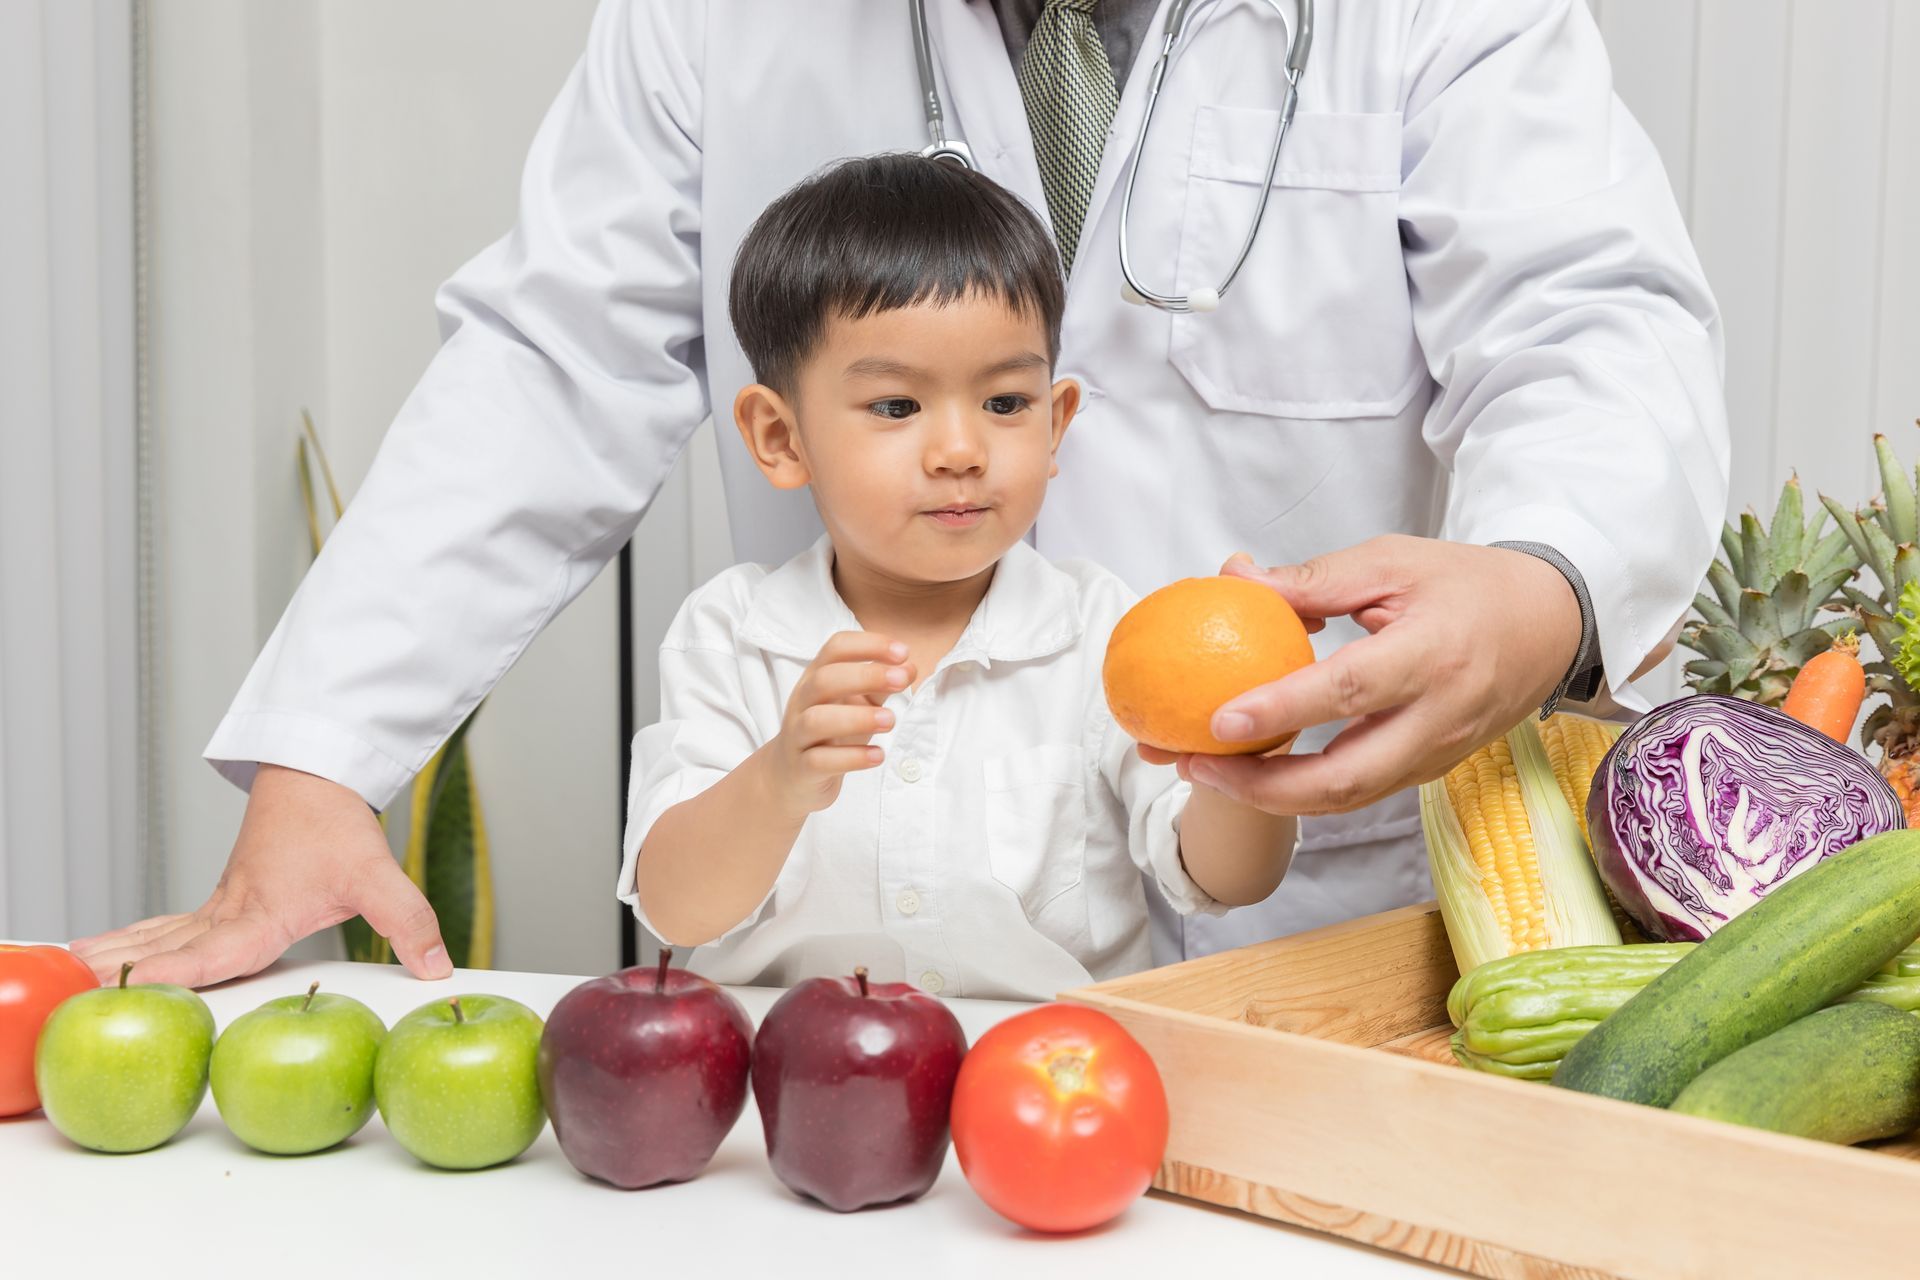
(1812, 939)
(1844, 1074)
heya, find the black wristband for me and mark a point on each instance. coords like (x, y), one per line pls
(1585, 674)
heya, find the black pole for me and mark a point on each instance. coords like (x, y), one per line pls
(629, 931)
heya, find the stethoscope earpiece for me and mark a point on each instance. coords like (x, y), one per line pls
(1203, 299)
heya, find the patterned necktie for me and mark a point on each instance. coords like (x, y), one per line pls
(1067, 83)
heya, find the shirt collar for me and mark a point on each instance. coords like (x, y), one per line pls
(1031, 609)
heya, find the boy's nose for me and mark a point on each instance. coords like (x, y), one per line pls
(956, 447)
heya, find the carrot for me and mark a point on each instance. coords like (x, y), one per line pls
(1826, 694)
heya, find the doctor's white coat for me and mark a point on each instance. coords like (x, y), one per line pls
(1472, 311)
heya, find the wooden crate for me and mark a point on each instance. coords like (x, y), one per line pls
(1310, 1082)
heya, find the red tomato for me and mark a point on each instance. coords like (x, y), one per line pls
(32, 981)
(1059, 1118)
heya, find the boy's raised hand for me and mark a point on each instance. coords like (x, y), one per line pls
(834, 712)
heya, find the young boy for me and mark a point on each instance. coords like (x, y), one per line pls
(894, 750)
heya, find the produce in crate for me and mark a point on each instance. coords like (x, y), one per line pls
(854, 1081)
(643, 1073)
(296, 1075)
(33, 980)
(456, 1081)
(1519, 1015)
(1883, 536)
(1707, 804)
(1510, 864)
(1758, 618)
(1826, 694)
(1847, 1074)
(1181, 652)
(1810, 941)
(124, 1068)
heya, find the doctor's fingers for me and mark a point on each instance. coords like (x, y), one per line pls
(126, 935)
(1363, 763)
(106, 961)
(232, 948)
(1369, 675)
(401, 914)
(1342, 582)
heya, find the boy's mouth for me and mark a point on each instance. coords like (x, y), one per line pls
(958, 516)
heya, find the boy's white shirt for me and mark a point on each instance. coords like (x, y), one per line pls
(999, 849)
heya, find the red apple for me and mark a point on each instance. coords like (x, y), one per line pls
(854, 1081)
(644, 1072)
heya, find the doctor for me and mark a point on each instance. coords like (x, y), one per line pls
(1469, 316)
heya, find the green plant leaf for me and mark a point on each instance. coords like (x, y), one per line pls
(1852, 527)
(1897, 515)
(1730, 546)
(1753, 553)
(1712, 610)
(1787, 528)
(1792, 602)
(1759, 620)
(1831, 554)
(1725, 586)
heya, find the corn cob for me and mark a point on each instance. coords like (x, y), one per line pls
(1519, 1015)
(1510, 866)
(1575, 746)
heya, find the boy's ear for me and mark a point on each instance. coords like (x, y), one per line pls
(1066, 403)
(770, 429)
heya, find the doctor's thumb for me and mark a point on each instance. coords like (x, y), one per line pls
(400, 913)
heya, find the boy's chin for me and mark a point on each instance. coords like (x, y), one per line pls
(945, 557)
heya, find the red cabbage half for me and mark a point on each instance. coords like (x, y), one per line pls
(1707, 803)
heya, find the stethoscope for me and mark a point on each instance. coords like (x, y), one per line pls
(1299, 41)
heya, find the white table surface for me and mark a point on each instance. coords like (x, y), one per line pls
(206, 1205)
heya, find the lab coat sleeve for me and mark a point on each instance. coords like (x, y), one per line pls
(1563, 313)
(568, 381)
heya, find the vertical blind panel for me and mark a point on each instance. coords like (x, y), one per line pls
(68, 850)
(1740, 125)
(1829, 282)
(1801, 168)
(1658, 76)
(1897, 394)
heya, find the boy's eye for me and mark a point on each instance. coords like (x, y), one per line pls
(897, 407)
(1007, 404)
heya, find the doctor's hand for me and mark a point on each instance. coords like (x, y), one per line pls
(1464, 642)
(310, 854)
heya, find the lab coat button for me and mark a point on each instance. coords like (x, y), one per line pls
(908, 902)
(932, 983)
(910, 769)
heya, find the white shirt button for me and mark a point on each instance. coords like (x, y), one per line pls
(908, 902)
(910, 769)
(932, 983)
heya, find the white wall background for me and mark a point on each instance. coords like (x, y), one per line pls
(320, 167)
(69, 706)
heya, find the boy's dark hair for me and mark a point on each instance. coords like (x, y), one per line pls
(876, 234)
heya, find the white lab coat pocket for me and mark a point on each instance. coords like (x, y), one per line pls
(1319, 322)
(1036, 803)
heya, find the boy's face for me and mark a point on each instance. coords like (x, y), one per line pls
(927, 433)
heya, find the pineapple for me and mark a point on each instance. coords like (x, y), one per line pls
(1757, 627)
(1883, 535)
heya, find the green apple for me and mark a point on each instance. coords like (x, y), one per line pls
(457, 1081)
(296, 1074)
(124, 1068)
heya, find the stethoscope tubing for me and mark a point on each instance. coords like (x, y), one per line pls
(1299, 43)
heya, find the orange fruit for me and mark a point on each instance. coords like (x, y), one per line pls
(1182, 651)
